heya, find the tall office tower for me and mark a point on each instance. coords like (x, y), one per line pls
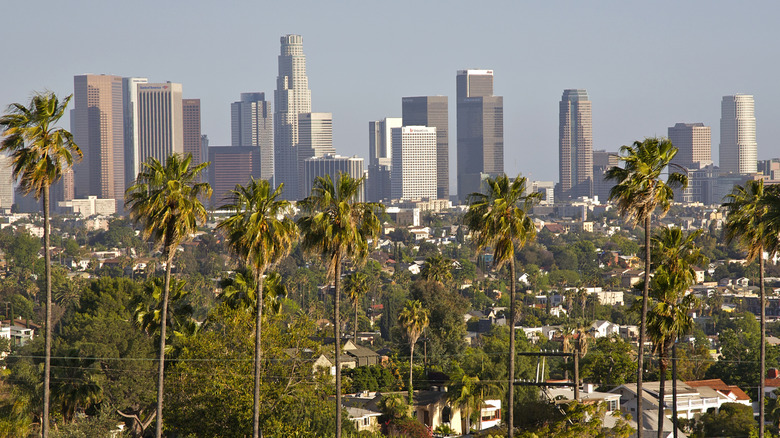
(332, 165)
(251, 124)
(190, 109)
(98, 129)
(738, 149)
(6, 182)
(380, 155)
(480, 130)
(315, 139)
(432, 111)
(292, 97)
(603, 161)
(204, 152)
(130, 98)
(575, 145)
(413, 175)
(231, 165)
(159, 118)
(694, 145)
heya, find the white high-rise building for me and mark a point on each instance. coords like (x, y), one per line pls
(738, 148)
(292, 97)
(575, 144)
(252, 125)
(413, 175)
(332, 165)
(160, 119)
(315, 139)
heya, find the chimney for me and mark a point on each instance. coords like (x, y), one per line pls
(588, 388)
(773, 373)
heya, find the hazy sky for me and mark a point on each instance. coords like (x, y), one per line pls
(646, 65)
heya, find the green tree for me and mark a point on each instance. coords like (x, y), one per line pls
(733, 419)
(261, 239)
(609, 362)
(639, 191)
(751, 227)
(437, 268)
(414, 319)
(499, 219)
(356, 286)
(77, 383)
(166, 199)
(40, 153)
(338, 227)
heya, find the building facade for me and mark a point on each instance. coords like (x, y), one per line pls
(130, 122)
(191, 130)
(480, 130)
(315, 139)
(432, 111)
(694, 145)
(380, 157)
(738, 148)
(603, 161)
(98, 129)
(251, 124)
(6, 182)
(332, 165)
(413, 174)
(160, 118)
(292, 97)
(231, 166)
(575, 145)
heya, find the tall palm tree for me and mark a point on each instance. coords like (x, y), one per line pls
(750, 223)
(259, 231)
(40, 154)
(337, 226)
(356, 286)
(240, 292)
(414, 318)
(437, 268)
(639, 191)
(166, 200)
(677, 253)
(668, 319)
(468, 396)
(499, 219)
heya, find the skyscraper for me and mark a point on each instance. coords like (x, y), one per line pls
(694, 145)
(159, 117)
(432, 111)
(575, 145)
(292, 97)
(480, 118)
(315, 139)
(603, 161)
(251, 123)
(6, 182)
(231, 165)
(331, 165)
(191, 130)
(130, 109)
(413, 175)
(380, 156)
(98, 129)
(738, 149)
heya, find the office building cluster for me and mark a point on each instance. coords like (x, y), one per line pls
(120, 122)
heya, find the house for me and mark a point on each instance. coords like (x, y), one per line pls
(649, 422)
(18, 331)
(432, 408)
(364, 419)
(732, 392)
(630, 277)
(489, 414)
(603, 329)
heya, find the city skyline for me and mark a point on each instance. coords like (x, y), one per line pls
(358, 83)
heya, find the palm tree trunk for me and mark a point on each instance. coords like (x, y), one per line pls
(337, 335)
(356, 319)
(643, 331)
(512, 315)
(47, 341)
(256, 433)
(169, 253)
(762, 365)
(411, 373)
(674, 387)
(662, 380)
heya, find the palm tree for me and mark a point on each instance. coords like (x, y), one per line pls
(437, 268)
(414, 319)
(668, 319)
(677, 253)
(40, 153)
(638, 191)
(753, 222)
(166, 199)
(259, 233)
(240, 292)
(356, 286)
(77, 383)
(499, 219)
(147, 307)
(338, 227)
(468, 396)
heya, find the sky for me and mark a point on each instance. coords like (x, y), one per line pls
(646, 65)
